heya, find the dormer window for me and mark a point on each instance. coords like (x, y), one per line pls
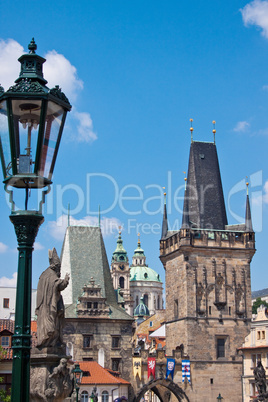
(5, 340)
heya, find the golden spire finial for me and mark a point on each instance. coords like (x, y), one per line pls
(185, 179)
(139, 242)
(191, 129)
(247, 183)
(164, 191)
(214, 130)
(119, 228)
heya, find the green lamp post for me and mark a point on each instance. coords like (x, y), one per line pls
(219, 398)
(32, 118)
(78, 374)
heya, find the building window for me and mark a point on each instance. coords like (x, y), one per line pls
(5, 341)
(87, 340)
(255, 359)
(105, 396)
(220, 347)
(6, 303)
(262, 334)
(115, 342)
(122, 282)
(176, 309)
(158, 302)
(258, 335)
(209, 310)
(84, 396)
(252, 389)
(89, 304)
(95, 305)
(151, 323)
(115, 364)
(230, 311)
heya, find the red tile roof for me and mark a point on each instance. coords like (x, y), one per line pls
(98, 374)
(7, 324)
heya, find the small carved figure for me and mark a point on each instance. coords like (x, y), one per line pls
(49, 304)
(260, 378)
(60, 381)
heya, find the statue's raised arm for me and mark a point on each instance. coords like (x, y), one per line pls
(49, 304)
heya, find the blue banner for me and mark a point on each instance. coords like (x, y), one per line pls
(170, 368)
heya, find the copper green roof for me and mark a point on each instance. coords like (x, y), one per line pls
(139, 252)
(119, 253)
(143, 273)
(141, 310)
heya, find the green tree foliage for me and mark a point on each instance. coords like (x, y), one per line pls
(257, 304)
(4, 397)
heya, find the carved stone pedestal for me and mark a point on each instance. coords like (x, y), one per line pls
(50, 378)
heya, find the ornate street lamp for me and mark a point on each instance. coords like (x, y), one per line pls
(78, 374)
(32, 118)
(219, 398)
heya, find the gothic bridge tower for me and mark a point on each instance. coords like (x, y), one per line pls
(208, 286)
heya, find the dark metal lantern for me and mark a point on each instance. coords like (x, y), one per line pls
(32, 118)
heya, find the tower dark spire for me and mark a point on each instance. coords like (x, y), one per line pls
(248, 221)
(165, 221)
(204, 205)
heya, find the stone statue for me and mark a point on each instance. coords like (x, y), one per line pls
(49, 304)
(260, 378)
(95, 394)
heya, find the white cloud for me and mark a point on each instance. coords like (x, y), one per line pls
(10, 283)
(59, 71)
(38, 246)
(57, 229)
(262, 199)
(256, 13)
(10, 51)
(3, 247)
(85, 127)
(241, 126)
(265, 87)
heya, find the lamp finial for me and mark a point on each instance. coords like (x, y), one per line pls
(32, 46)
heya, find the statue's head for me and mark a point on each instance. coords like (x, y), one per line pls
(54, 261)
(63, 362)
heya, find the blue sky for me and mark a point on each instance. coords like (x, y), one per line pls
(135, 73)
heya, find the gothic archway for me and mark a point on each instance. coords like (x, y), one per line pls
(162, 388)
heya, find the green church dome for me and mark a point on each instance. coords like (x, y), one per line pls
(141, 310)
(143, 273)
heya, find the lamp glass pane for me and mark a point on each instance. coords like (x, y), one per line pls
(26, 118)
(52, 128)
(4, 141)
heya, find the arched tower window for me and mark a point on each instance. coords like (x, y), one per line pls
(137, 300)
(122, 282)
(158, 302)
